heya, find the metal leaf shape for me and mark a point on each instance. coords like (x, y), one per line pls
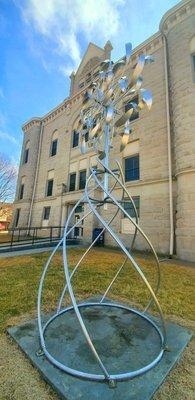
(102, 74)
(109, 114)
(139, 67)
(94, 131)
(128, 51)
(118, 65)
(124, 141)
(146, 97)
(149, 59)
(109, 77)
(123, 83)
(106, 64)
(83, 145)
(108, 94)
(99, 95)
(101, 154)
(126, 116)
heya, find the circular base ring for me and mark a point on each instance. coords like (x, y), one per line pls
(101, 377)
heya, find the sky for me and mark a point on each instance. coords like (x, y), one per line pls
(43, 41)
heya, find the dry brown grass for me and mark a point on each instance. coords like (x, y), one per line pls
(18, 292)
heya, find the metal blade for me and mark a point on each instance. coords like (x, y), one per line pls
(94, 132)
(128, 51)
(123, 83)
(83, 145)
(146, 97)
(149, 59)
(109, 114)
(118, 65)
(139, 67)
(124, 141)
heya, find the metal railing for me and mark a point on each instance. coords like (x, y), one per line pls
(36, 234)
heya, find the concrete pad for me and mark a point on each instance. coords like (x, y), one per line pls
(124, 341)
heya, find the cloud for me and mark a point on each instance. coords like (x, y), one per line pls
(63, 22)
(3, 130)
(6, 136)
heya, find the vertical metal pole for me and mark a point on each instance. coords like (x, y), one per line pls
(106, 159)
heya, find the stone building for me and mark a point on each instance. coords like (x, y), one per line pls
(159, 160)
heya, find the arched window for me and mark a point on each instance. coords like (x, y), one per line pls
(192, 54)
(54, 144)
(26, 152)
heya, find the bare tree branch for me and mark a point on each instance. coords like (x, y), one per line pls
(8, 173)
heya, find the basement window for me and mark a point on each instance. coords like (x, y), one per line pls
(128, 206)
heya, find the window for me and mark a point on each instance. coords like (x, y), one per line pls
(192, 55)
(193, 66)
(128, 206)
(79, 208)
(21, 192)
(75, 140)
(53, 149)
(81, 85)
(26, 153)
(135, 114)
(49, 187)
(25, 159)
(46, 212)
(82, 179)
(132, 168)
(17, 216)
(72, 182)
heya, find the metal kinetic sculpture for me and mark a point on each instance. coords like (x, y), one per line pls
(103, 117)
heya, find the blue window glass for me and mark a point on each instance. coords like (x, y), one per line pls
(75, 140)
(82, 179)
(25, 158)
(72, 182)
(49, 187)
(46, 213)
(132, 168)
(21, 194)
(54, 147)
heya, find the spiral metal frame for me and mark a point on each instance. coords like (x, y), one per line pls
(95, 205)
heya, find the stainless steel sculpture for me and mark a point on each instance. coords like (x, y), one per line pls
(103, 117)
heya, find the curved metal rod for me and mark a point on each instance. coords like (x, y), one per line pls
(115, 377)
(44, 274)
(134, 236)
(74, 303)
(84, 254)
(143, 234)
(119, 242)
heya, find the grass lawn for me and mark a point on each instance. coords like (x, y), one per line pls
(19, 278)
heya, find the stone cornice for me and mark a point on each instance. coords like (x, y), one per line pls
(31, 122)
(176, 15)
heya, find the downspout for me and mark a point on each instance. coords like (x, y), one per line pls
(36, 176)
(171, 241)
